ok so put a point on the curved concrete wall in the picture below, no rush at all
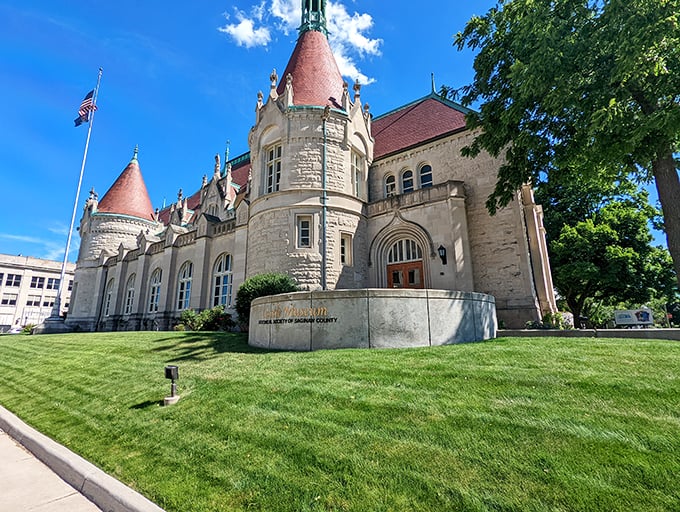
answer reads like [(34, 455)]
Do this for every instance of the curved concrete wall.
[(370, 318)]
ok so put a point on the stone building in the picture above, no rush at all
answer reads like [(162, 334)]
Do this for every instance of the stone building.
[(28, 289), (328, 193)]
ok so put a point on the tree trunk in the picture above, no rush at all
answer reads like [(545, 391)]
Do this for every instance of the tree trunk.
[(668, 187)]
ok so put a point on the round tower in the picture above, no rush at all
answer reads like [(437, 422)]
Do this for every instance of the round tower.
[(310, 152), (106, 225)]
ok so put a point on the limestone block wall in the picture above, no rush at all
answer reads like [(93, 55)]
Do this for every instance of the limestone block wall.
[(498, 246), (433, 217), (108, 231)]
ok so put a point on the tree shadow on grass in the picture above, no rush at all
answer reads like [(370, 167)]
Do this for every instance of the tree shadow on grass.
[(198, 346)]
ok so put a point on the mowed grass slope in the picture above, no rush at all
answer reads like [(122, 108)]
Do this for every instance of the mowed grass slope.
[(513, 424)]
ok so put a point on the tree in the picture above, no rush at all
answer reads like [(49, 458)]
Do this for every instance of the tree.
[(609, 259), (587, 85)]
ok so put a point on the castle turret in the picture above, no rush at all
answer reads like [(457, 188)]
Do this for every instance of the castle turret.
[(106, 226), (310, 151)]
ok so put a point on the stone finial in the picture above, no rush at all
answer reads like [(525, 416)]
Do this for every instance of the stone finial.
[(93, 195), (204, 183), (260, 98), (344, 101), (179, 196), (288, 92), (357, 91), (156, 214), (274, 80), (217, 162)]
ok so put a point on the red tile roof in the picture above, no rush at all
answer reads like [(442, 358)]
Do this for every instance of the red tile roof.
[(316, 78), (128, 195), (415, 123)]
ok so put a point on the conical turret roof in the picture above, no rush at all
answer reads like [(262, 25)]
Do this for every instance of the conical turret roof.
[(128, 194), (316, 77)]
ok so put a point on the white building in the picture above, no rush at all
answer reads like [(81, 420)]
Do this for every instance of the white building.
[(28, 290), (330, 194)]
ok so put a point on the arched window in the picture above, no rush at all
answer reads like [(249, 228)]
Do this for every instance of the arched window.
[(407, 181), (357, 173), (108, 295), (184, 285), (222, 279), (426, 176), (272, 168), (155, 290), (390, 185), (130, 294), (404, 250)]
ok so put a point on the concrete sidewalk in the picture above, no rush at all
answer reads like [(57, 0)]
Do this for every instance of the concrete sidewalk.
[(27, 484), (38, 474)]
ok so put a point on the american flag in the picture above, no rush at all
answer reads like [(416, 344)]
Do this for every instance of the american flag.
[(86, 107)]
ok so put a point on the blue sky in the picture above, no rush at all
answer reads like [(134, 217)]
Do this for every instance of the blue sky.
[(180, 79)]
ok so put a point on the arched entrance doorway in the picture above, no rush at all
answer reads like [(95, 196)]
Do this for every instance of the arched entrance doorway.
[(405, 265)]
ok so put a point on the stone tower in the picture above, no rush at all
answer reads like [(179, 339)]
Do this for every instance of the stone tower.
[(107, 228), (310, 152)]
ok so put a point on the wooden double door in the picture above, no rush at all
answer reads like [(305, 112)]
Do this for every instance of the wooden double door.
[(405, 275)]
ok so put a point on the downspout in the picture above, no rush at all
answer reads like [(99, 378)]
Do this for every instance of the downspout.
[(324, 198)]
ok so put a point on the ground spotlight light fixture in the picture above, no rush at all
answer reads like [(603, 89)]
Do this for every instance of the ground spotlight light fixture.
[(441, 250), (172, 373)]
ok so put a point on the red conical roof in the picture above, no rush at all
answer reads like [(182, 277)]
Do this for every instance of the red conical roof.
[(316, 77), (128, 194)]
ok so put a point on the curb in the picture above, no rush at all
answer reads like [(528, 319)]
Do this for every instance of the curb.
[(103, 490)]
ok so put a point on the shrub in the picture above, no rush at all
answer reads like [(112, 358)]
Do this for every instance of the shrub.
[(261, 285), (214, 319)]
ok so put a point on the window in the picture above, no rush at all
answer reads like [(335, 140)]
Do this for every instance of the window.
[(404, 250), (37, 282), (108, 295), (9, 299), (357, 173), (425, 176), (304, 231), (49, 301), (33, 300), (184, 285), (130, 295), (407, 181), (390, 186), (155, 290), (212, 210), (346, 249), (52, 283), (70, 285), (222, 279), (13, 280), (273, 168)]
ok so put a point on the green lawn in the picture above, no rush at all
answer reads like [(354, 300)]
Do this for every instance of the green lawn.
[(513, 424)]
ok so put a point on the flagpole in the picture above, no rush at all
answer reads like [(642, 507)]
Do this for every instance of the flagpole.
[(56, 310)]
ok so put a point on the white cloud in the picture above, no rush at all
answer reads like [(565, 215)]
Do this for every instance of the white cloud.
[(244, 32), (347, 33), (288, 13)]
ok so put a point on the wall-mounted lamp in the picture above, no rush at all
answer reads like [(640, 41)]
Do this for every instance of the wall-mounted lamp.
[(442, 254), (172, 373)]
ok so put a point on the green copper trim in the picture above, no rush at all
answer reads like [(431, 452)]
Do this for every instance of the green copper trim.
[(313, 17)]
